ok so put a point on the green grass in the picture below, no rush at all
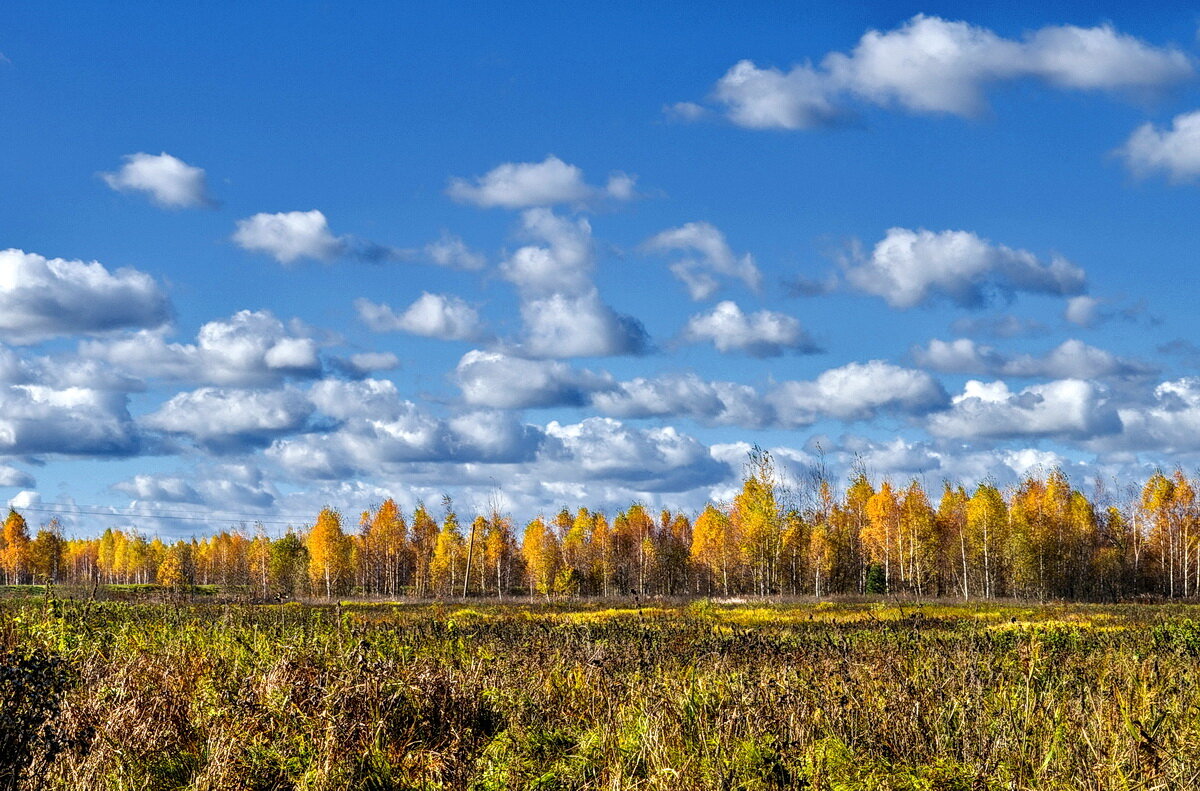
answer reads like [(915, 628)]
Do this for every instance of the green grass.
[(856, 695)]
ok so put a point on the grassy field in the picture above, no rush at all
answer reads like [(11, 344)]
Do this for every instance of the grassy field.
[(120, 695)]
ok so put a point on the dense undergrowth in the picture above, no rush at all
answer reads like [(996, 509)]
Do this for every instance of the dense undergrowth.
[(112, 695)]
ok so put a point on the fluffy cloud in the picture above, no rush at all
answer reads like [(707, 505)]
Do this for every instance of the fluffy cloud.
[(374, 399), (46, 297), (600, 458), (12, 477), (229, 420), (563, 325), (561, 263), (492, 437), (802, 98), (439, 316), (493, 379), (909, 268), (762, 334), (170, 182), (1083, 310), (377, 427), (857, 391), (380, 426), (219, 487), (713, 257), (158, 488), (687, 395), (933, 65), (72, 421), (1072, 359), (452, 252), (1174, 152), (520, 185), (900, 459), (1064, 409), (64, 371), (250, 348), (563, 313), (1169, 423), (290, 236), (657, 459)]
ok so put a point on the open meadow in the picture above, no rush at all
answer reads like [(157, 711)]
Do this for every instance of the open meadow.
[(563, 695)]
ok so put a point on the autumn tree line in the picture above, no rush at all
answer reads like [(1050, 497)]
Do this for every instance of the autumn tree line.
[(1040, 539)]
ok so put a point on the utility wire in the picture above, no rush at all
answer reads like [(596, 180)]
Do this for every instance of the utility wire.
[(167, 509), (83, 511)]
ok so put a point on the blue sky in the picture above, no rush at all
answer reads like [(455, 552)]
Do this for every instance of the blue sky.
[(259, 260)]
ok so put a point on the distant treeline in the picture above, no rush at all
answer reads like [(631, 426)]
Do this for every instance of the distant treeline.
[(1038, 539)]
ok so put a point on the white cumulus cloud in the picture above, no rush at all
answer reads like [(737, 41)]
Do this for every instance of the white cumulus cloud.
[(169, 181), (47, 297), (1062, 409), (655, 459), (453, 253), (494, 379), (1174, 151), (12, 477), (857, 391), (441, 316), (713, 257), (909, 268), (290, 236), (249, 348), (1072, 359), (70, 421), (685, 395), (563, 325), (231, 420), (521, 185), (562, 260), (764, 333), (802, 98), (561, 309), (377, 428), (934, 65)]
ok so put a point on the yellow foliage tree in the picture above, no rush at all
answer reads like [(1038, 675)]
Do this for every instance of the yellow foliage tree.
[(328, 553)]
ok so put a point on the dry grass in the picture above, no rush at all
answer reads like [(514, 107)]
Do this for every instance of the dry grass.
[(104, 695)]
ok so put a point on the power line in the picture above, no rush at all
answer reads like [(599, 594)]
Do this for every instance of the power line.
[(115, 513), (163, 509)]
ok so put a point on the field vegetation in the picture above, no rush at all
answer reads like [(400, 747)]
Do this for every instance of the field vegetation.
[(790, 638), (529, 694)]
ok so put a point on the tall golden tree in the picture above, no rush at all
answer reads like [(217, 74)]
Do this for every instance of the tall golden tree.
[(918, 524), (601, 552), (258, 561), (986, 539), (755, 518), (539, 547), (501, 556), (14, 557), (424, 540), (328, 554), (449, 555), (388, 554), (48, 553), (881, 533), (1169, 504), (952, 529), (715, 547)]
